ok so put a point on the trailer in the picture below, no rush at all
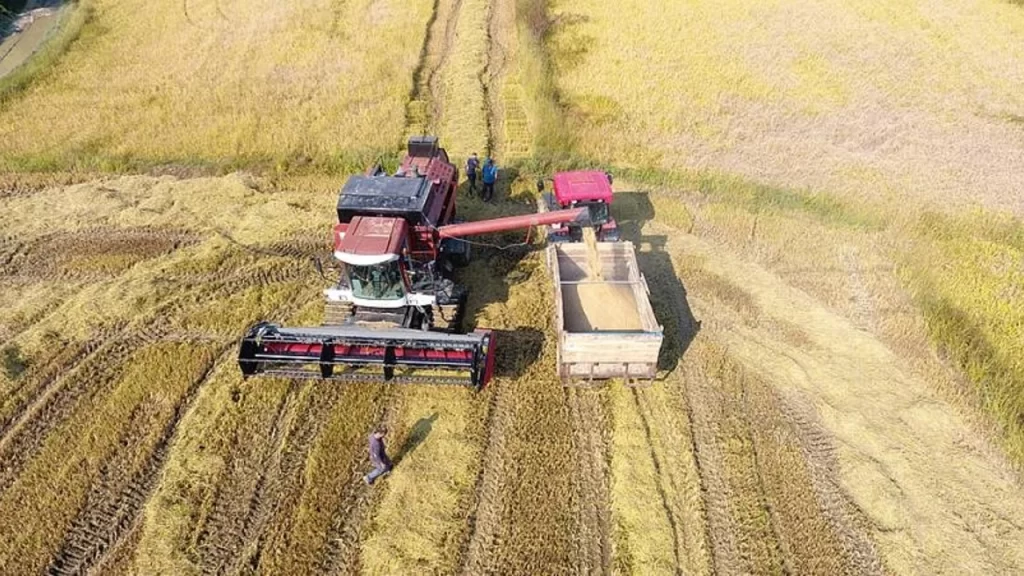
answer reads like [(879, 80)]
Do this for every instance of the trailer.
[(606, 326)]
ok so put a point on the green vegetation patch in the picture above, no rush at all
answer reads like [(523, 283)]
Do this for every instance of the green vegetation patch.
[(967, 275), (13, 362)]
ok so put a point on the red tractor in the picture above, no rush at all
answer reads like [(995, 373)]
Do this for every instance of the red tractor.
[(396, 308), (589, 189)]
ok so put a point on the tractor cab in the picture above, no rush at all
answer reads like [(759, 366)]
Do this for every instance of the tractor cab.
[(585, 188)]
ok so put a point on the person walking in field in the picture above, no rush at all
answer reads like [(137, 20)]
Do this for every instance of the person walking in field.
[(471, 167), (490, 176), (378, 456)]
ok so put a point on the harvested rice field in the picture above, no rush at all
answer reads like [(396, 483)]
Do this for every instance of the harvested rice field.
[(821, 204)]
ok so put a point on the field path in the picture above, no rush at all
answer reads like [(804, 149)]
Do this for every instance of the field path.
[(425, 102), (591, 447), (934, 495)]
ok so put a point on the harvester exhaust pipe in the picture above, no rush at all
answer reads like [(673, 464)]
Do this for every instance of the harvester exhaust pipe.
[(360, 355)]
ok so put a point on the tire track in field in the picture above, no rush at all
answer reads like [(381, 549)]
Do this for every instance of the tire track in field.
[(591, 480), (242, 486), (346, 531), (736, 418), (224, 530), (58, 257), (740, 542), (204, 288), (485, 516), (94, 375), (822, 531), (425, 100), (114, 507), (284, 481), (72, 255), (11, 248), (44, 384), (64, 382), (662, 472), (525, 511), (667, 426), (893, 439)]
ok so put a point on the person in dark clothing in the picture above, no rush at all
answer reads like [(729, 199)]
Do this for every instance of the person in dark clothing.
[(490, 176), (471, 167), (378, 456)]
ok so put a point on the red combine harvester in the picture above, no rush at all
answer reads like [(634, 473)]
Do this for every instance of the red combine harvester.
[(395, 313), (589, 189)]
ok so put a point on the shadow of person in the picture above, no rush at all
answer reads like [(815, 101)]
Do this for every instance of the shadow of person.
[(419, 432)]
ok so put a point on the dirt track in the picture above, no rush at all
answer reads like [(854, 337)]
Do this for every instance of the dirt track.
[(31, 30)]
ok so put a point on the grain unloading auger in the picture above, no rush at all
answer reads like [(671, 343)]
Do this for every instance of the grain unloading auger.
[(395, 313)]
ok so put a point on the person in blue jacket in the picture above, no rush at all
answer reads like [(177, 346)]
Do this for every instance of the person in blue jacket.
[(378, 456), (490, 176)]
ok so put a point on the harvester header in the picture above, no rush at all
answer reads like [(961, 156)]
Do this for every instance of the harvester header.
[(352, 353)]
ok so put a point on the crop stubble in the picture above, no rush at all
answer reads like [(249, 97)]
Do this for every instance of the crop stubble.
[(111, 517), (112, 430)]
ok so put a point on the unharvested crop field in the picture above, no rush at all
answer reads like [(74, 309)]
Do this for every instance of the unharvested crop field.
[(840, 388), (221, 82)]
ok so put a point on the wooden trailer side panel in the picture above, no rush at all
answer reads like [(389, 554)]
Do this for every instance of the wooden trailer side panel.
[(610, 355), (556, 279), (611, 347)]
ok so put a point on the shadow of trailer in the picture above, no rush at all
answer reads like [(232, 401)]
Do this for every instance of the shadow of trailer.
[(606, 326)]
